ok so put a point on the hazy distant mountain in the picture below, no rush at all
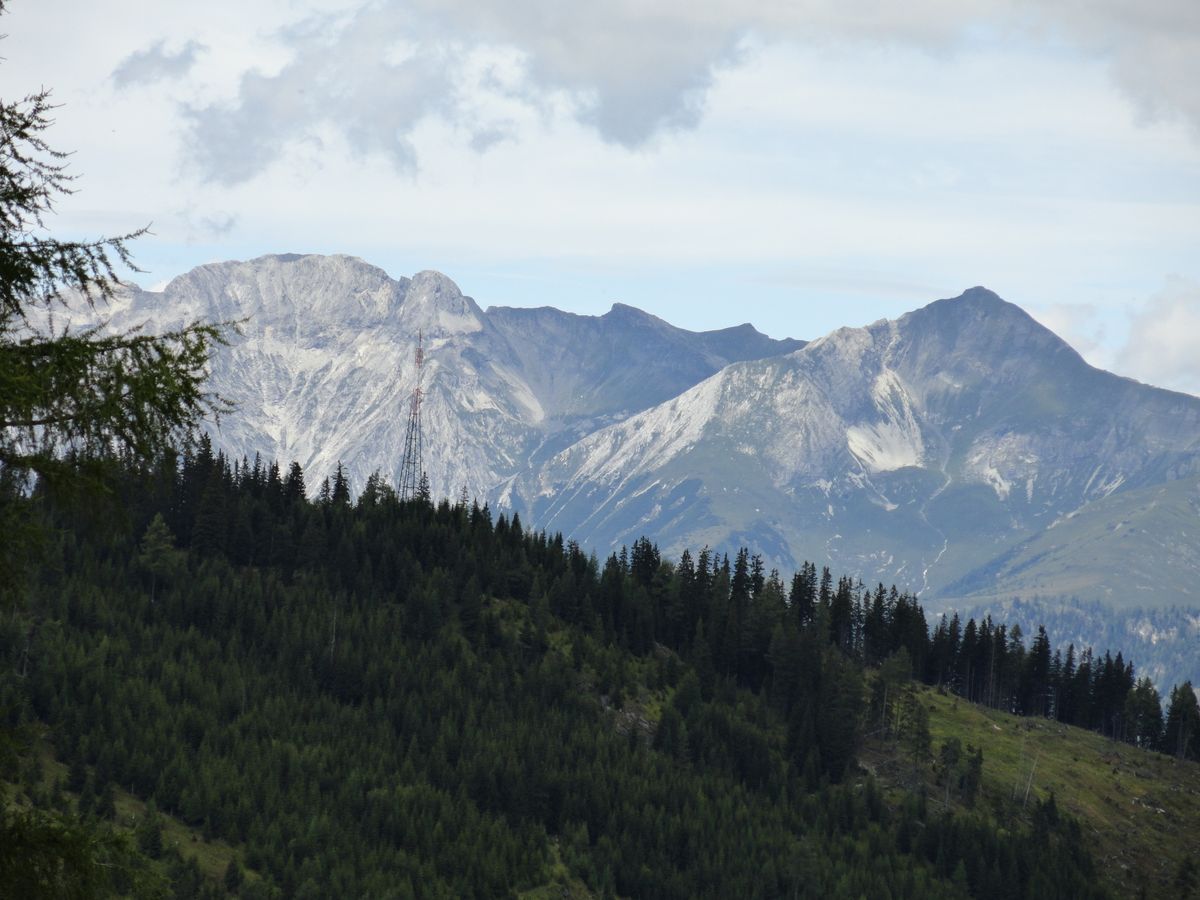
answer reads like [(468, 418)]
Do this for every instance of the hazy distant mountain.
[(962, 450)]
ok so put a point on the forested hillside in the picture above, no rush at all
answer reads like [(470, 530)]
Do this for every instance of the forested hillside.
[(377, 698)]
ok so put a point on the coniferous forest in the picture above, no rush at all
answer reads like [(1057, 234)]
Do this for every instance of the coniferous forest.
[(385, 698)]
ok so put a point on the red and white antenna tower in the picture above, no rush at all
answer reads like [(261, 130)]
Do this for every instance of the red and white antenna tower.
[(412, 466)]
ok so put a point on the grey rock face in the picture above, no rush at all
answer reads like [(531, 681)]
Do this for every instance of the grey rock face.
[(323, 367)]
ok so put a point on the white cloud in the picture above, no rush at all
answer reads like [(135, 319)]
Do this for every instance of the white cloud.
[(635, 69), (1080, 325), (1164, 338)]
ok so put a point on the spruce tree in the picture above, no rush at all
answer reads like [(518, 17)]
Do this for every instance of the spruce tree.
[(341, 487), (293, 486), (158, 551)]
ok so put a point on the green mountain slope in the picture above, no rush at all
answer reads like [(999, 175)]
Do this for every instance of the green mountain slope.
[(1136, 548), (1114, 574), (392, 699)]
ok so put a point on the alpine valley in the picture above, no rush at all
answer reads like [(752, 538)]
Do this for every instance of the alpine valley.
[(962, 451)]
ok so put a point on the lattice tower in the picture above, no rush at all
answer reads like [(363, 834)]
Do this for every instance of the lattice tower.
[(412, 465)]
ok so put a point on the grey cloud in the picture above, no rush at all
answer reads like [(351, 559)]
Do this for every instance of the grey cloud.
[(346, 77), (630, 114), (631, 68), (628, 75), (155, 64), (1153, 47), (485, 138), (1163, 77), (196, 227), (217, 226)]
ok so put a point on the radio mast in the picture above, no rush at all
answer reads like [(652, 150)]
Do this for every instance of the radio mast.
[(412, 465)]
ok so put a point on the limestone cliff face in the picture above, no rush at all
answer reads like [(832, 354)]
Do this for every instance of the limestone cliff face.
[(323, 365)]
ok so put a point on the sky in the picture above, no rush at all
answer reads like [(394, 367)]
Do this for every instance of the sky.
[(801, 165)]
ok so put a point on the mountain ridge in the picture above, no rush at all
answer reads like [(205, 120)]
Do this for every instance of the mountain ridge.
[(322, 366), (917, 450), (907, 419)]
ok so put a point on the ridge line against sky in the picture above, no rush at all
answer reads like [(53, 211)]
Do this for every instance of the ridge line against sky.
[(797, 165)]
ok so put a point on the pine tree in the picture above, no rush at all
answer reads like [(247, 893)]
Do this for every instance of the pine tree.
[(1187, 878), (1035, 675), (915, 738), (839, 704), (671, 736), (1143, 716), (803, 595), (233, 878), (149, 832), (470, 607)]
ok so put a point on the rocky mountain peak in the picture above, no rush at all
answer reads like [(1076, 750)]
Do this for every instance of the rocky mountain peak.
[(624, 312), (981, 296), (979, 335), (974, 307), (434, 304), (298, 293)]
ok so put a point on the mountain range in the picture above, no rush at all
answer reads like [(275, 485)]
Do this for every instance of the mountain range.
[(962, 451)]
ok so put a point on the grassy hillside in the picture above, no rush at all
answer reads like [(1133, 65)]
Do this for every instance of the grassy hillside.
[(1140, 810)]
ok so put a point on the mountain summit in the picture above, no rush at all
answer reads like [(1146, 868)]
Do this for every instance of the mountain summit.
[(434, 304)]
